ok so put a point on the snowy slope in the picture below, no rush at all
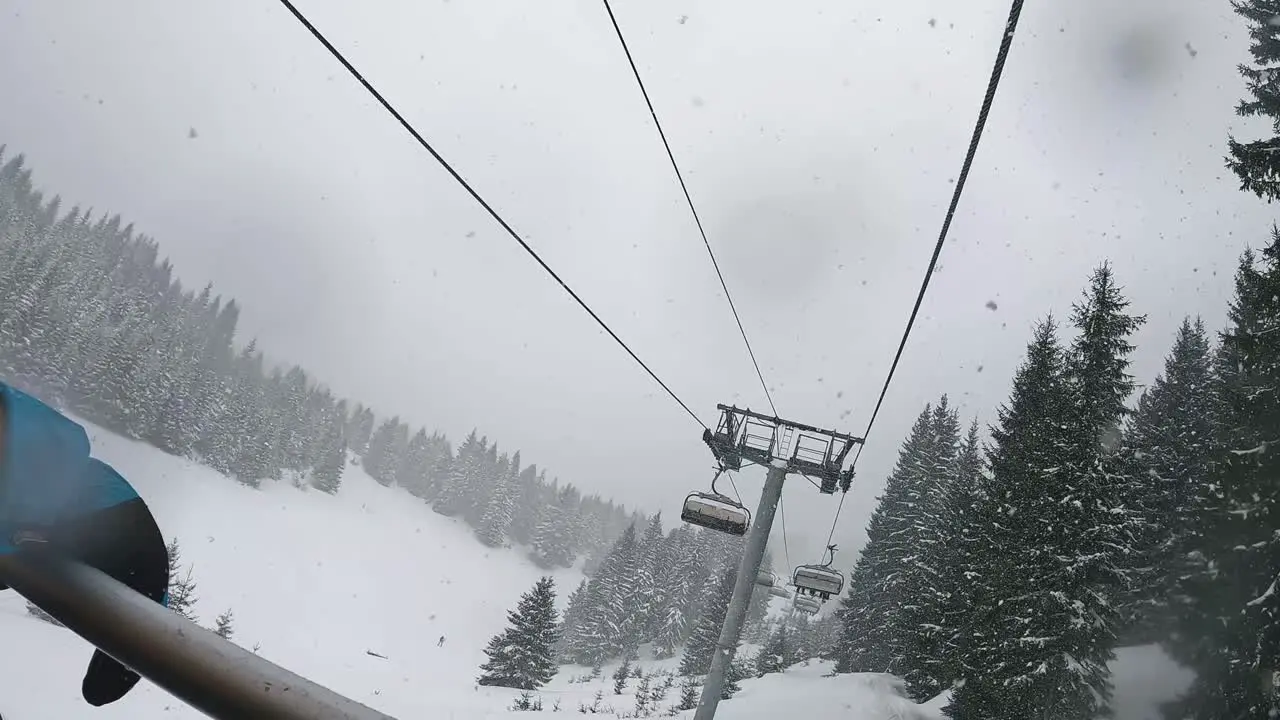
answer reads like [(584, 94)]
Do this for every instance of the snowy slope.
[(318, 580)]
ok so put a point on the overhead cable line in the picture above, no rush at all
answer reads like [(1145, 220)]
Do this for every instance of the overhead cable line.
[(1006, 41), (689, 199), (786, 550), (488, 208), (734, 485)]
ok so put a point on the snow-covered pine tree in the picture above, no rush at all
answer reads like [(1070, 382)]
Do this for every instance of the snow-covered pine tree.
[(647, 586), (876, 636), (222, 627), (1024, 457), (332, 462), (496, 520), (523, 655), (1050, 534), (414, 473), (1255, 162), (959, 521), (1171, 437), (531, 495), (823, 636), (378, 461), (182, 588), (688, 693), (739, 669), (918, 621), (360, 430), (1101, 490), (681, 587), (457, 490), (621, 675), (290, 413), (481, 488), (1230, 630), (777, 654), (555, 540), (575, 613), (706, 634), (601, 634)]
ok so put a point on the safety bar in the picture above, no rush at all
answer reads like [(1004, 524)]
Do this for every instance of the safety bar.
[(213, 675)]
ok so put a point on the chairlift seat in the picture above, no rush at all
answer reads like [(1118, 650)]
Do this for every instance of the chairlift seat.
[(817, 580), (716, 512), (807, 605)]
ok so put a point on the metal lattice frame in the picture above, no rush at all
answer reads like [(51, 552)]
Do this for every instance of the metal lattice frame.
[(746, 437)]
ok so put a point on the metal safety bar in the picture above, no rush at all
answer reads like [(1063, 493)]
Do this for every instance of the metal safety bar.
[(213, 675)]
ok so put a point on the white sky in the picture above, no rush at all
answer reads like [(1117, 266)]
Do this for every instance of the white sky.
[(819, 142)]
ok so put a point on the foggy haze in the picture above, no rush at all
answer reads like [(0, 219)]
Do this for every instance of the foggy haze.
[(819, 142)]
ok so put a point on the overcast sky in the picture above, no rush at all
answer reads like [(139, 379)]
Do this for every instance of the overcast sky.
[(820, 142)]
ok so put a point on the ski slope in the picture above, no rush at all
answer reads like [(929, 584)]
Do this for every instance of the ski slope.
[(316, 581)]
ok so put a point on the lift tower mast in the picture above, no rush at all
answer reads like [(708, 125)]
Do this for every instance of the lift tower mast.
[(782, 447)]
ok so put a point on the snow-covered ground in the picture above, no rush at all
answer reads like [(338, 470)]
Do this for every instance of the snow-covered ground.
[(316, 581)]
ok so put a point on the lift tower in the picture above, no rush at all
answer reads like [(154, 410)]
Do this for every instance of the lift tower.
[(746, 437)]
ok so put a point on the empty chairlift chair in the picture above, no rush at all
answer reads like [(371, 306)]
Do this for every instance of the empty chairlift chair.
[(716, 512), (819, 580)]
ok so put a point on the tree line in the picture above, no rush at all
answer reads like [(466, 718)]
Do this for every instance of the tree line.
[(94, 320), (1010, 570), (668, 592)]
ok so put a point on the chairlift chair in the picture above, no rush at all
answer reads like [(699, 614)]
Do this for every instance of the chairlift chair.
[(715, 511), (819, 580), (807, 605)]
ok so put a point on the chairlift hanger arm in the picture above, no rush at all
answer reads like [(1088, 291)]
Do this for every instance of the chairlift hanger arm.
[(799, 426)]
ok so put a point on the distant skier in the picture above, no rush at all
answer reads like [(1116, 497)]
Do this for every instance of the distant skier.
[(52, 491), (440, 642)]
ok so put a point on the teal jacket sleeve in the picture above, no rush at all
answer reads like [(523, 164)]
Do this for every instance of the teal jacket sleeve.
[(46, 473)]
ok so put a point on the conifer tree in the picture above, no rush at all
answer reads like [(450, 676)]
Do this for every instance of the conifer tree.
[(962, 539), (555, 539), (878, 636), (182, 588), (223, 627), (609, 628), (1053, 527), (464, 471), (575, 613), (778, 653), (621, 675), (702, 643), (414, 473), (647, 584), (1171, 438), (1024, 457), (523, 656), (738, 670), (1255, 162), (688, 693), (1230, 628), (497, 519), (333, 461)]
